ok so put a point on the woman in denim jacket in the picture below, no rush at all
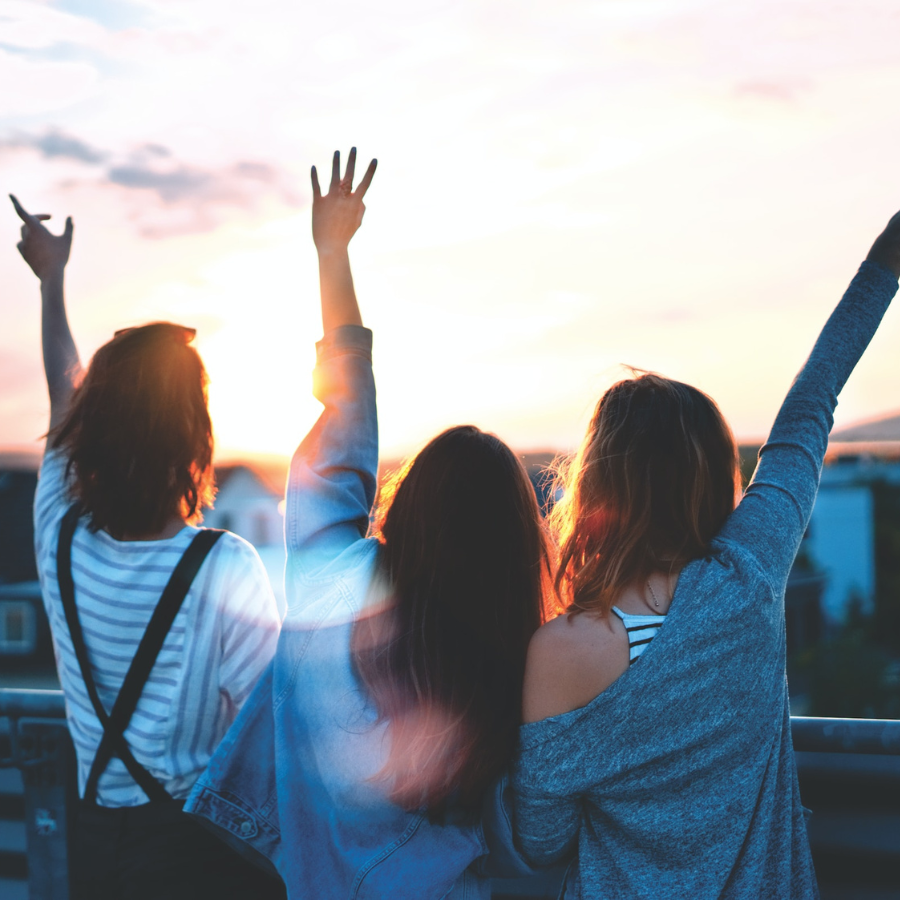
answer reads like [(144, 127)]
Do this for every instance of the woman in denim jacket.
[(367, 763)]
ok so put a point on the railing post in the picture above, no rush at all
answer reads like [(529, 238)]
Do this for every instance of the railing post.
[(48, 769), (40, 747)]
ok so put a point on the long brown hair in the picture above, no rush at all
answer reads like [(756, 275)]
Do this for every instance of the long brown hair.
[(465, 563), (138, 435), (652, 483)]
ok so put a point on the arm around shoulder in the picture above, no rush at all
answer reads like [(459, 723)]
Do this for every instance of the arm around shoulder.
[(570, 661)]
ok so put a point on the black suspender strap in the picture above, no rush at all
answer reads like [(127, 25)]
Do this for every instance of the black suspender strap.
[(150, 786), (113, 743)]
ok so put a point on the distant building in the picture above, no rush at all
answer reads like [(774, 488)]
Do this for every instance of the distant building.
[(250, 502), (24, 635), (840, 542), (18, 479), (841, 538), (24, 630)]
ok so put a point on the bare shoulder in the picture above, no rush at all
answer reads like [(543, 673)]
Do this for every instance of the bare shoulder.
[(571, 660)]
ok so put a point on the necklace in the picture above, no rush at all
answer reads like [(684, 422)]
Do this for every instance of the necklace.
[(653, 594)]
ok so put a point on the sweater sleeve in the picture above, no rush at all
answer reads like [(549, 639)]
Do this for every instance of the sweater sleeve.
[(332, 480), (546, 825), (773, 515)]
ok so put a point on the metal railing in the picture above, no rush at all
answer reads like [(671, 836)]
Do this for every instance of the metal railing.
[(819, 735), (38, 745)]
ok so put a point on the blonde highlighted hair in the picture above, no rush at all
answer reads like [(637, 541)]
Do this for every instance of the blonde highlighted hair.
[(652, 483)]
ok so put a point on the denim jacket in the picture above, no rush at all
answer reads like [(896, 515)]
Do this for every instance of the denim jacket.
[(291, 785)]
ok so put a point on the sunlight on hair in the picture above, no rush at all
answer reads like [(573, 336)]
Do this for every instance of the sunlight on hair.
[(654, 479), (436, 747)]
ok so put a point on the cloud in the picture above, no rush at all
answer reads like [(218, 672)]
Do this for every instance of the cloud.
[(112, 14), (179, 184), (170, 197), (37, 25), (152, 150), (186, 199), (55, 144), (167, 196), (182, 183)]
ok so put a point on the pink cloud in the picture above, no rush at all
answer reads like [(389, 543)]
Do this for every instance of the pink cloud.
[(173, 197)]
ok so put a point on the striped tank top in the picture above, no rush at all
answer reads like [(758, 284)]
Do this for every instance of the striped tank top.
[(640, 629)]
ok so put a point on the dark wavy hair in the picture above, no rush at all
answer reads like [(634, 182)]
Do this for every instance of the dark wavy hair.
[(654, 480), (464, 561), (138, 435)]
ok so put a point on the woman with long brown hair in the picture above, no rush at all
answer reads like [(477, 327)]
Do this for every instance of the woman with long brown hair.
[(368, 763), (657, 743), (160, 628)]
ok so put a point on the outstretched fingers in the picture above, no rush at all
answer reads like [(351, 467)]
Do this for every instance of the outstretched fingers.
[(366, 180), (345, 185)]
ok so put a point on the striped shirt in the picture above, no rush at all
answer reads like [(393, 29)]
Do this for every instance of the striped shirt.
[(221, 640), (640, 630)]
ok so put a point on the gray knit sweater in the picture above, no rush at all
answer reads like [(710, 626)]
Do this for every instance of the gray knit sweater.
[(679, 779)]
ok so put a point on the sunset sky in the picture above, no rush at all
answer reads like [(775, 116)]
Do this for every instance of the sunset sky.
[(678, 185)]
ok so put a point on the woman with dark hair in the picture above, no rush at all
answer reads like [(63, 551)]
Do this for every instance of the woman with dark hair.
[(658, 745), (393, 705), (160, 629)]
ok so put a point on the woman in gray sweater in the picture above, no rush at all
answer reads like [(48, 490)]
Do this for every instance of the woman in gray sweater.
[(657, 744)]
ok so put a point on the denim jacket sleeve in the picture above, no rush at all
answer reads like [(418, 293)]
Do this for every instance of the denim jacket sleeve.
[(504, 859), (332, 480)]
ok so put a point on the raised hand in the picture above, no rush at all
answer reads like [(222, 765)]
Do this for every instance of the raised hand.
[(335, 218), (338, 214), (886, 249), (46, 253)]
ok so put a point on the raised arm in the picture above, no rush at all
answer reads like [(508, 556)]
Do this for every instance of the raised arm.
[(333, 473), (335, 218), (773, 515), (47, 255)]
